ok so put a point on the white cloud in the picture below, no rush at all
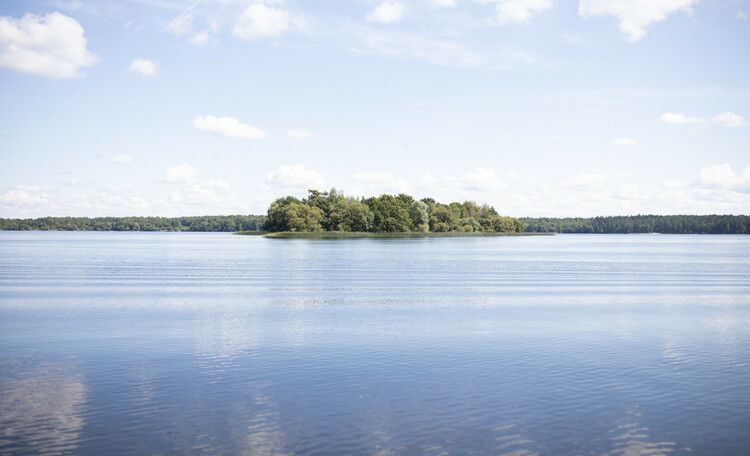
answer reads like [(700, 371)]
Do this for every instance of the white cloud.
[(518, 11), (212, 197), (679, 119), (442, 3), (147, 68), (634, 15), (216, 184), (181, 174), (725, 119), (741, 15), (562, 138), (19, 198), (675, 184), (52, 45), (728, 119), (380, 182), (433, 49), (481, 181), (199, 39), (585, 180), (723, 177), (259, 21), (123, 159), (625, 142), (228, 126), (299, 133), (387, 12), (295, 177), (181, 24)]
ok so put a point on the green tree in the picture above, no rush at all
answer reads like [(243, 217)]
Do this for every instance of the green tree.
[(420, 218)]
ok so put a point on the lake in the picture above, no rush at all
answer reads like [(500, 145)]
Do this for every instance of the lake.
[(209, 343)]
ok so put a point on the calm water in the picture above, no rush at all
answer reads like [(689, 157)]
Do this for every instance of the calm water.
[(167, 343)]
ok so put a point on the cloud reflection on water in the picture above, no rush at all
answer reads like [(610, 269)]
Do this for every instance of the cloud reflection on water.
[(42, 406)]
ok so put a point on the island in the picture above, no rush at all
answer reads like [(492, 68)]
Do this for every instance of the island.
[(332, 211)]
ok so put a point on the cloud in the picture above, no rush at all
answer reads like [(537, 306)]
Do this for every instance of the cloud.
[(299, 133), (518, 11), (585, 181), (380, 182), (123, 159), (725, 119), (435, 50), (741, 15), (466, 186), (562, 138), (260, 21), (181, 24), (679, 119), (728, 119), (210, 197), (387, 12), (228, 126), (295, 177), (634, 15), (481, 180), (52, 46), (147, 68), (723, 177), (442, 3), (199, 39), (181, 174), (625, 142)]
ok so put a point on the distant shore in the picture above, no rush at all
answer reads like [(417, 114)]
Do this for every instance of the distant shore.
[(366, 235), (635, 224)]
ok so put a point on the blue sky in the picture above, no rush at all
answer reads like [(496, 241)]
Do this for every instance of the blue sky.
[(538, 107)]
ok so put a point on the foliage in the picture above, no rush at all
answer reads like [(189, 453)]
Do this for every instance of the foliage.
[(333, 211), (667, 224), (293, 216), (228, 223)]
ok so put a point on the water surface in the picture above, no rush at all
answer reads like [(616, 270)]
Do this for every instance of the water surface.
[(208, 343)]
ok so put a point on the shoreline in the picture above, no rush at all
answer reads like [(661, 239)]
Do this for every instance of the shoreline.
[(368, 235)]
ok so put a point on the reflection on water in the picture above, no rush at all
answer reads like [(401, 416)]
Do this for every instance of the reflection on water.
[(632, 439), (40, 402), (150, 343)]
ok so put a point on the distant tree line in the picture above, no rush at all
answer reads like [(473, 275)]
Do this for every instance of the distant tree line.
[(333, 211), (228, 223), (668, 224)]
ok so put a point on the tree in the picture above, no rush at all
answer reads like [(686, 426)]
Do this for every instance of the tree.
[(350, 216), (420, 218)]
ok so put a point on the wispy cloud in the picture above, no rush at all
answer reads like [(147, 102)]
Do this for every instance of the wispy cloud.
[(724, 119), (300, 133), (123, 159), (625, 142)]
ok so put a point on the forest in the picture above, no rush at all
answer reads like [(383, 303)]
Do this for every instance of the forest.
[(228, 223), (333, 211), (667, 224)]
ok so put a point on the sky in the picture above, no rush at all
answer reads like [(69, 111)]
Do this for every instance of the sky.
[(216, 107)]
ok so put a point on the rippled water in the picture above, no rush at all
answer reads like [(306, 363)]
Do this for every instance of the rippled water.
[(168, 343)]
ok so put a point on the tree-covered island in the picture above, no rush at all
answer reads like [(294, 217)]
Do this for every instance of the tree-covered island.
[(333, 211)]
